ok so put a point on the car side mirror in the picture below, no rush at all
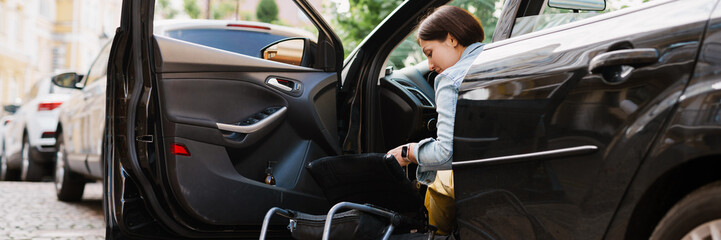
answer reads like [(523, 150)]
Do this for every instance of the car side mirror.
[(67, 80), (295, 51), (585, 5), (12, 108)]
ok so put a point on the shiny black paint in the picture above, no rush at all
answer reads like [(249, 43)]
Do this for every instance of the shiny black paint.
[(534, 93), (686, 155)]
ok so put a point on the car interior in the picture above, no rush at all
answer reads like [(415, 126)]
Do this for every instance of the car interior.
[(239, 130), (242, 124)]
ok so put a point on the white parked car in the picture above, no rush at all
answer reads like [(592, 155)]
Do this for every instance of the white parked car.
[(3, 166), (29, 139)]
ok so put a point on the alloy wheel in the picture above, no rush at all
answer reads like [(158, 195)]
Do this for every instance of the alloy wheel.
[(708, 230), (59, 167), (25, 160), (3, 167)]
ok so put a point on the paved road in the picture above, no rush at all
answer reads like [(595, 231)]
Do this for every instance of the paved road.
[(31, 211)]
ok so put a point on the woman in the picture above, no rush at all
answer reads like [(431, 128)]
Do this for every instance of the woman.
[(450, 38)]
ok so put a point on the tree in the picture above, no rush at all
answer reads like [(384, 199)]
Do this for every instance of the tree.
[(222, 9), (364, 15), (267, 11), (483, 10), (191, 8), (166, 10), (360, 19)]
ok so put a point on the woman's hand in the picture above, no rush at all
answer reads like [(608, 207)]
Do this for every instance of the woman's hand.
[(397, 153)]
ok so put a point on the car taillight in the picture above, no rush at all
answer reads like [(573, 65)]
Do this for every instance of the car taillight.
[(179, 149), (247, 26), (48, 106), (48, 135)]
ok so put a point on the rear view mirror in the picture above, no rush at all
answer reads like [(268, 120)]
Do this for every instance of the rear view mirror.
[(295, 51), (67, 80), (585, 5)]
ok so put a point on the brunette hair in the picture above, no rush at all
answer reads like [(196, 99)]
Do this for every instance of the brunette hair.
[(458, 22)]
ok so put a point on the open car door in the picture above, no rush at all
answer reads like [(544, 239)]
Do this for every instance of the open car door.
[(193, 132)]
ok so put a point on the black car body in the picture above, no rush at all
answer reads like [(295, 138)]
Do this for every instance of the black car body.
[(593, 129)]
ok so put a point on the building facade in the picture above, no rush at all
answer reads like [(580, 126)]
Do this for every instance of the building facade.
[(40, 38)]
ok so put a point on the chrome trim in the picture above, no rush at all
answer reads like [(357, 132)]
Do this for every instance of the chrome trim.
[(269, 214), (623, 57), (274, 82), (253, 127), (365, 208), (551, 153), (474, 140)]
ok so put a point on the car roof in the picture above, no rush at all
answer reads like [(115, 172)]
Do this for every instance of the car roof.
[(161, 27)]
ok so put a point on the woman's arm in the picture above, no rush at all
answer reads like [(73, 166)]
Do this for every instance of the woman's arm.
[(437, 154)]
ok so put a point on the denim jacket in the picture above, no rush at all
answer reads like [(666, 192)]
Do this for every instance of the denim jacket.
[(437, 154)]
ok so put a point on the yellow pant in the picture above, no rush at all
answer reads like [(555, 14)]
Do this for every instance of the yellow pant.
[(440, 202)]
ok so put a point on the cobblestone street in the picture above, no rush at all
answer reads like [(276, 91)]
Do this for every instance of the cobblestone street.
[(31, 211)]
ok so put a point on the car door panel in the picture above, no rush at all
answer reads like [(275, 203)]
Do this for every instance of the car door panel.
[(242, 95), (196, 94), (211, 172), (526, 99), (94, 95), (73, 127)]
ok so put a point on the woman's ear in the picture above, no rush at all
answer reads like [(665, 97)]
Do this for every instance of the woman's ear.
[(451, 41)]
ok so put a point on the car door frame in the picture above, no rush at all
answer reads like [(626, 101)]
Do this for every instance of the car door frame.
[(128, 66)]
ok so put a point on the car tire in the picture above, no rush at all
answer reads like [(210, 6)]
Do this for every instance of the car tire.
[(31, 170), (7, 174), (69, 186), (699, 213), (3, 167)]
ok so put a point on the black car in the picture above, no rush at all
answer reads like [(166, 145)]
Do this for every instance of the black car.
[(566, 128)]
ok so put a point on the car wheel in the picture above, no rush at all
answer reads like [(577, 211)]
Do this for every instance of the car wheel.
[(69, 186), (7, 174), (31, 170), (3, 168), (698, 214)]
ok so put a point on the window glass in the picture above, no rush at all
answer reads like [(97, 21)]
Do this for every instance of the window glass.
[(240, 26), (354, 20), (227, 39), (408, 53), (99, 67), (551, 17)]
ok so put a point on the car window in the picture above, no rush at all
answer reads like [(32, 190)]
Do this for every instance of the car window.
[(227, 39), (99, 67), (551, 17), (244, 27), (409, 53), (353, 21)]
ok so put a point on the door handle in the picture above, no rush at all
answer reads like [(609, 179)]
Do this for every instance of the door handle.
[(632, 57), (256, 125), (282, 84)]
